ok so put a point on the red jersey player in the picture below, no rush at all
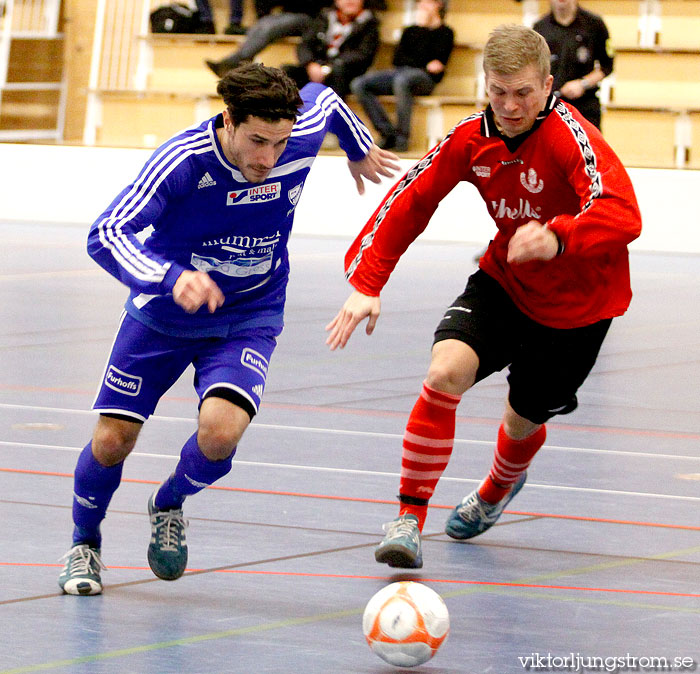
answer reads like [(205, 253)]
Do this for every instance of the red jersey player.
[(549, 284)]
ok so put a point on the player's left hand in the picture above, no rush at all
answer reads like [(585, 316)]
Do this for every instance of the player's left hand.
[(532, 241), (356, 308), (376, 163), (194, 289)]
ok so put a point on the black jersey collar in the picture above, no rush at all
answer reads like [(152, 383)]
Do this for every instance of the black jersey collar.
[(489, 129)]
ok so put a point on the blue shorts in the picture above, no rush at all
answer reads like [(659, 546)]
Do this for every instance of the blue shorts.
[(145, 363)]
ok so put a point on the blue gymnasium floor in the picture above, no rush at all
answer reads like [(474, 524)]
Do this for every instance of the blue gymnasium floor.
[(599, 556)]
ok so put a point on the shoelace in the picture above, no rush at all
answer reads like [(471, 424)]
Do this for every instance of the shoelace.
[(169, 525), (400, 527), (82, 560), (473, 511)]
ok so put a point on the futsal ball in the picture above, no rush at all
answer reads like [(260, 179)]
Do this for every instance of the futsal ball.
[(405, 623)]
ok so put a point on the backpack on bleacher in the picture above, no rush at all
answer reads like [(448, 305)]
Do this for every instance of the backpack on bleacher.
[(175, 18)]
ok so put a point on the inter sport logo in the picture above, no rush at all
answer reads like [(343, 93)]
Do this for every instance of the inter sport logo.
[(254, 195)]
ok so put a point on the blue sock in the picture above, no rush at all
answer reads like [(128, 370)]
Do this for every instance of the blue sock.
[(93, 487), (193, 473)]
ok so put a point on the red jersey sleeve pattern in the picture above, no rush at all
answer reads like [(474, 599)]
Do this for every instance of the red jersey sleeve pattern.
[(562, 174), (405, 212)]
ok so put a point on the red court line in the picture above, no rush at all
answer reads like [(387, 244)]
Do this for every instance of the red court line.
[(348, 576), (350, 411), (467, 582), (329, 497), (601, 519)]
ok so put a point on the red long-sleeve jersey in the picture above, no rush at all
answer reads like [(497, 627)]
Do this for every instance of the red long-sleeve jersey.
[(561, 173)]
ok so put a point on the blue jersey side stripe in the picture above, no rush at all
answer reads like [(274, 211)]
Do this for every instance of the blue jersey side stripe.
[(171, 154), (311, 115), (314, 119), (129, 256), (110, 229), (330, 99)]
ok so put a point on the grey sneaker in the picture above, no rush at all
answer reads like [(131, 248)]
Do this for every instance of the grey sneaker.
[(167, 551), (473, 515), (401, 545), (81, 573)]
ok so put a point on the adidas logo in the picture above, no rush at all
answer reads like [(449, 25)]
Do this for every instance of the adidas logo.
[(85, 502), (258, 390), (206, 181), (194, 483)]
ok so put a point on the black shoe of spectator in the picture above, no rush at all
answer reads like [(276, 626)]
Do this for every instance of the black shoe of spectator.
[(387, 142), (401, 144), (220, 68), (215, 67), (235, 29)]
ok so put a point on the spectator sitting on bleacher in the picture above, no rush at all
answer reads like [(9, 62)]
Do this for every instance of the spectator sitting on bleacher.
[(206, 17), (419, 62), (235, 24), (581, 54), (339, 45), (295, 17)]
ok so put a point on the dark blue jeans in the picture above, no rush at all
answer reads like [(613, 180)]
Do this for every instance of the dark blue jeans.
[(206, 15), (404, 83), (268, 29)]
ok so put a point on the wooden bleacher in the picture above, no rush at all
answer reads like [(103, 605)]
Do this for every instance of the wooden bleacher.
[(642, 137), (657, 77), (621, 17), (680, 25), (473, 20), (654, 91), (32, 83)]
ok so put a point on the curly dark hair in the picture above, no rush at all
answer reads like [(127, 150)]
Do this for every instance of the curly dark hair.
[(255, 90)]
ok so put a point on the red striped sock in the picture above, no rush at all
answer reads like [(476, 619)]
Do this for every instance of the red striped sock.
[(427, 446), (511, 459)]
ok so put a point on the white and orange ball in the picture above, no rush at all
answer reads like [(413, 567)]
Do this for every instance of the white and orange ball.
[(405, 623)]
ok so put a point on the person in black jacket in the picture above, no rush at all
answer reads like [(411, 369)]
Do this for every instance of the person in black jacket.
[(419, 62), (295, 17), (338, 46), (581, 55)]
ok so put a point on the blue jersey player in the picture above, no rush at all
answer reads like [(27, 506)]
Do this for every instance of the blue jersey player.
[(200, 238)]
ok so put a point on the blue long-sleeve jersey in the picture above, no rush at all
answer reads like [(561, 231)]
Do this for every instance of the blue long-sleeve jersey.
[(190, 208)]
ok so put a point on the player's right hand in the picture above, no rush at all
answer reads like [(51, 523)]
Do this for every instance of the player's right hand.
[(375, 164), (356, 308), (193, 289)]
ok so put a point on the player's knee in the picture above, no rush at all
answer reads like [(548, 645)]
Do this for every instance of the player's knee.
[(453, 367), (113, 440), (446, 377), (223, 417), (218, 441)]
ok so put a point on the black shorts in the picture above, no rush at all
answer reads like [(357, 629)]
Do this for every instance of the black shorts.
[(546, 365)]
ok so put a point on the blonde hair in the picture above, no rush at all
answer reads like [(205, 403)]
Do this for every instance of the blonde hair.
[(512, 47)]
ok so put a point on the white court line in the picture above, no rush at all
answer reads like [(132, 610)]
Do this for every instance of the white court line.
[(369, 434), (352, 471)]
